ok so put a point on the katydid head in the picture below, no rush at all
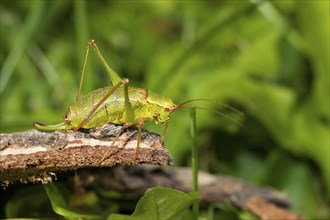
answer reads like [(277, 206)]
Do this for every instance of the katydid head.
[(170, 110), (162, 115)]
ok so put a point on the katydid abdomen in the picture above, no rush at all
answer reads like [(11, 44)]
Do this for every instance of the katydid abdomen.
[(110, 111)]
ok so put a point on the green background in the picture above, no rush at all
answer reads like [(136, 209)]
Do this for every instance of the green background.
[(270, 61)]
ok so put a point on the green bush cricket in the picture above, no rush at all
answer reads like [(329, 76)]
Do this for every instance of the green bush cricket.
[(117, 104)]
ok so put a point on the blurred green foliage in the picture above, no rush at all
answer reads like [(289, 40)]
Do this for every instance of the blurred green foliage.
[(270, 60)]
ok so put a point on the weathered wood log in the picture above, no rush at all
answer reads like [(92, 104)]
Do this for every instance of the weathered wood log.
[(34, 156)]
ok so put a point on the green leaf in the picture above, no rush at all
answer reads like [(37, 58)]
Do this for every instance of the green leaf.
[(161, 203), (59, 204)]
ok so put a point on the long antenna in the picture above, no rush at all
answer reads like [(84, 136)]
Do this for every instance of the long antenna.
[(211, 110), (214, 101)]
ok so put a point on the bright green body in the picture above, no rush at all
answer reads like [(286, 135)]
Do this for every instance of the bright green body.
[(146, 106)]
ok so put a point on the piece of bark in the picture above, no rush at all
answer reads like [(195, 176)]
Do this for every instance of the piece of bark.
[(268, 211), (213, 188), (34, 156)]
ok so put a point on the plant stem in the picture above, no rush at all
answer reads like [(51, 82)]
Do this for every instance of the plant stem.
[(194, 160)]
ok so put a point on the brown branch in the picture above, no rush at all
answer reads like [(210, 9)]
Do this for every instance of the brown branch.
[(34, 156), (264, 202)]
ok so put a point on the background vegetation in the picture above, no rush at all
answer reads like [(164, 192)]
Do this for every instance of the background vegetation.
[(270, 60)]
